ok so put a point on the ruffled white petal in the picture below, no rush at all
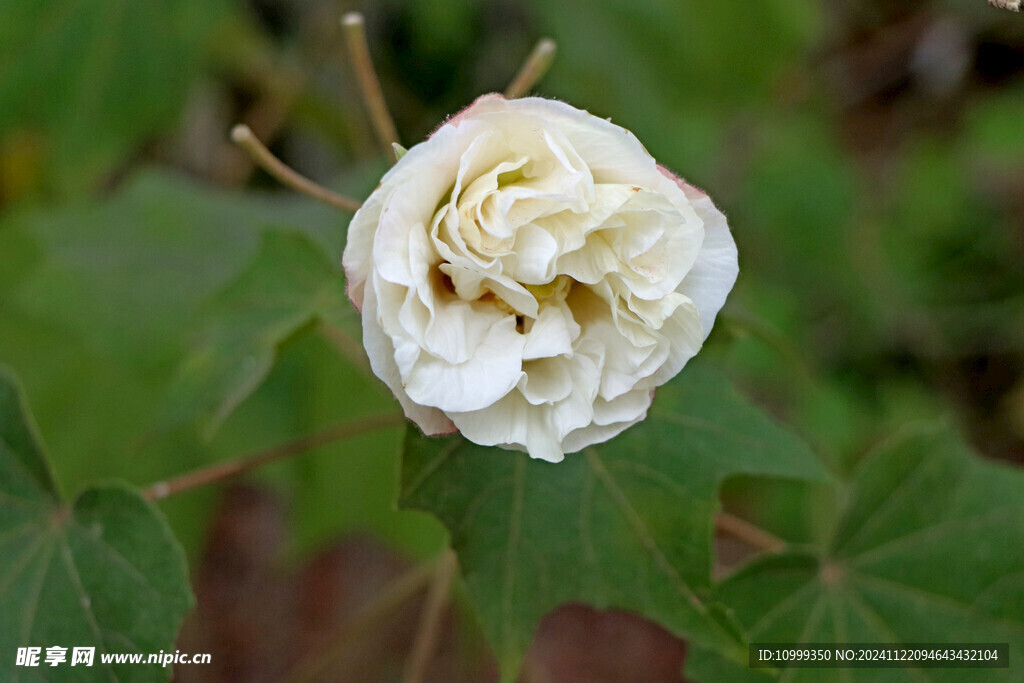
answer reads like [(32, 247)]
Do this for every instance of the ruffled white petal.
[(714, 273), (529, 275), (381, 352), (475, 384)]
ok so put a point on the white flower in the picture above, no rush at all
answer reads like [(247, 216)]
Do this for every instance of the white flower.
[(529, 275), (1012, 5)]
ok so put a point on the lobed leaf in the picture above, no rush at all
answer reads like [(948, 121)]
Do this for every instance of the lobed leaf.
[(103, 572), (289, 286), (625, 524), (927, 551)]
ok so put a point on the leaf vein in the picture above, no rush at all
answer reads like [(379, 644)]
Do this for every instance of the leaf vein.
[(896, 544), (484, 496), (117, 557), (813, 621), (642, 532), (19, 531), (707, 426), (86, 601), (586, 503), (871, 615), (893, 499), (769, 617), (890, 586), (30, 615), (19, 565), (421, 477), (512, 551)]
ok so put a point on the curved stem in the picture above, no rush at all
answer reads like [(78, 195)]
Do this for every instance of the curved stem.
[(262, 156), (430, 622), (347, 346), (391, 597), (233, 468), (750, 534), (354, 27), (533, 69)]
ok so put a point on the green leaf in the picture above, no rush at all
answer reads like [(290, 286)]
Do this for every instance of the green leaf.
[(18, 436), (624, 524), (927, 551), (94, 79), (99, 307), (289, 287), (127, 275), (104, 572)]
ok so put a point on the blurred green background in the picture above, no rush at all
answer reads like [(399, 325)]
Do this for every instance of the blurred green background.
[(869, 154)]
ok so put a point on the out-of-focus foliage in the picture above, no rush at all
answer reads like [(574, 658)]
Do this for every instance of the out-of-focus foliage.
[(680, 75), (869, 155), (104, 571), (112, 298), (83, 83), (289, 286)]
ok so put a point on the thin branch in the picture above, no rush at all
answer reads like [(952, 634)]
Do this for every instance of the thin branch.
[(753, 536), (430, 621), (391, 597), (277, 84), (533, 69), (354, 27), (245, 139), (348, 347), (233, 468)]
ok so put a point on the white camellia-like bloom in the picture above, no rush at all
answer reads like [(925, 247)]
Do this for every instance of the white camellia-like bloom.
[(529, 275)]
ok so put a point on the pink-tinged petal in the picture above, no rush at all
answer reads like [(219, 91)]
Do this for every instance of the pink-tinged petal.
[(714, 273)]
